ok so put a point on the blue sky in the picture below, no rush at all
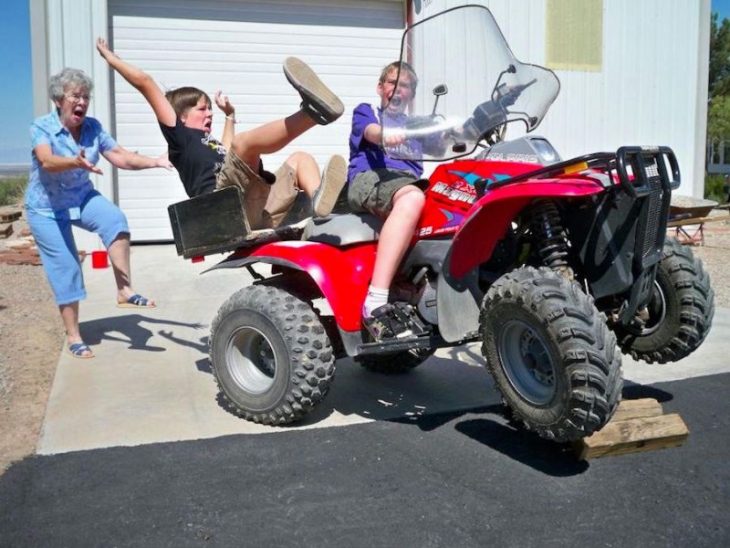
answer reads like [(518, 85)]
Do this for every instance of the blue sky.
[(16, 88), (722, 7)]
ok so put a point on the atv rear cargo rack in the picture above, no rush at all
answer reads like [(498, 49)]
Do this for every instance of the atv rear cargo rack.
[(216, 223)]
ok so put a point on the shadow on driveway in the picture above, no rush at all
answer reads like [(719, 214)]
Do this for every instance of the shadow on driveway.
[(128, 329)]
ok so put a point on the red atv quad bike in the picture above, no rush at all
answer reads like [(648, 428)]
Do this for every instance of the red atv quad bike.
[(556, 267)]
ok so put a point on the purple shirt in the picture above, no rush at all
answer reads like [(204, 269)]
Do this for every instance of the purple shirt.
[(366, 156)]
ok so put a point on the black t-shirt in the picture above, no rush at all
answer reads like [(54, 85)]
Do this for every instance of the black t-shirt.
[(197, 157)]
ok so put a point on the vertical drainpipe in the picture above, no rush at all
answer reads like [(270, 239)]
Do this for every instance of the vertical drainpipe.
[(409, 22), (703, 75), (38, 16)]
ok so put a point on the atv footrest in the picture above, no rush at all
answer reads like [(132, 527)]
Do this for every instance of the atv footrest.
[(398, 345)]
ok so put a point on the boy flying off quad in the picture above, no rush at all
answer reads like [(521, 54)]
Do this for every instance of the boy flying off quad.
[(205, 164)]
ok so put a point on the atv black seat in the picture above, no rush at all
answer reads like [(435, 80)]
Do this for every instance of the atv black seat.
[(344, 229)]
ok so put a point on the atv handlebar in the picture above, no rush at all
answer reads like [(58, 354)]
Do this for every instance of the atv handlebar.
[(513, 92), (493, 113)]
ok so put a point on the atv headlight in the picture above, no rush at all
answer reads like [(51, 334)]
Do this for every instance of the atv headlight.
[(545, 150)]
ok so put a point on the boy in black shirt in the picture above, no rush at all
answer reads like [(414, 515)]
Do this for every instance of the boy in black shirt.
[(204, 163)]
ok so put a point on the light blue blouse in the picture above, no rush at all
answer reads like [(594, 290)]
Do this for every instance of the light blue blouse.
[(61, 194)]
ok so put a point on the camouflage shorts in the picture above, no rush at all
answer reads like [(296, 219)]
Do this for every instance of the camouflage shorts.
[(373, 191)]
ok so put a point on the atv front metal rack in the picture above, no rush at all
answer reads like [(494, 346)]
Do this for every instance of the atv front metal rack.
[(633, 166), (646, 163)]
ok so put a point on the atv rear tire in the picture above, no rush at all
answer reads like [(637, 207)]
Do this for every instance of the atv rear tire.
[(552, 357), (680, 310), (271, 357), (398, 363)]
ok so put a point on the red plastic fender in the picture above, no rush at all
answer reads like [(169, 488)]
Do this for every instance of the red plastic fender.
[(342, 275), (490, 216)]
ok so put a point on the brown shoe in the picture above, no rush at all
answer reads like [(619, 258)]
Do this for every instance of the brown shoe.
[(334, 178), (318, 101)]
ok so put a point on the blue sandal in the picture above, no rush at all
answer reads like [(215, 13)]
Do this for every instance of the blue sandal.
[(80, 350), (137, 301)]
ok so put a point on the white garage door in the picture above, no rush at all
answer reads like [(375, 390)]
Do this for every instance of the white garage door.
[(238, 47)]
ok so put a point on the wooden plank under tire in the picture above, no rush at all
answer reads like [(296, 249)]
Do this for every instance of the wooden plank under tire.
[(637, 425)]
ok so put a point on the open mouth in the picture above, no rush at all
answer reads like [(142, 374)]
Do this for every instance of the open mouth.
[(79, 112)]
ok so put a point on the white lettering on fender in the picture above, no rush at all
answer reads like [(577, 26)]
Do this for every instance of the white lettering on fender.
[(452, 193)]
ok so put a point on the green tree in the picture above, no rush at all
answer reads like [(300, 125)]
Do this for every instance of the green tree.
[(719, 57), (718, 119), (718, 111)]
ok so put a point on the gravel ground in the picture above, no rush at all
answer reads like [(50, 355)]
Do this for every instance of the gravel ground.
[(32, 337), (715, 256)]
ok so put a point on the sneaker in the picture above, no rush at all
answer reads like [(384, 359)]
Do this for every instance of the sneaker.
[(387, 323), (334, 178), (318, 101)]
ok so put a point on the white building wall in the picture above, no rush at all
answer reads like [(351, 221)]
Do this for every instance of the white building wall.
[(652, 86)]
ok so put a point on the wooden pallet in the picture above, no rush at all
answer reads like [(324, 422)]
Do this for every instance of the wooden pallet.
[(6, 229), (638, 425), (9, 214)]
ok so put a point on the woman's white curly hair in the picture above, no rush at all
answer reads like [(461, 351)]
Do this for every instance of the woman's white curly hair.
[(68, 77)]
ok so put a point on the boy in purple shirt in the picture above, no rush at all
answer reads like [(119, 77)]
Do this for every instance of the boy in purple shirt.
[(385, 187)]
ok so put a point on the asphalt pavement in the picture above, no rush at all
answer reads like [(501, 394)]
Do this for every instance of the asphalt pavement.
[(137, 451)]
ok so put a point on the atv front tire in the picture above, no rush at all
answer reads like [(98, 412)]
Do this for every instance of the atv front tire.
[(553, 358), (270, 355), (680, 311)]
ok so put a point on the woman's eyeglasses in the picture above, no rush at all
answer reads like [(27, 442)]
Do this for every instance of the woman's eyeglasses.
[(77, 97)]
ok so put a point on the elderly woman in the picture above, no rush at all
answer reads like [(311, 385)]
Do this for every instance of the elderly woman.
[(66, 147)]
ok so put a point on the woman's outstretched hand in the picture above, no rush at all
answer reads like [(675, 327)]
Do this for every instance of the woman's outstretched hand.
[(163, 161), (83, 163)]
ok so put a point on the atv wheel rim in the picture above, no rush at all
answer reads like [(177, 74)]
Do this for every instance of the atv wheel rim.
[(527, 362), (250, 360), (657, 308)]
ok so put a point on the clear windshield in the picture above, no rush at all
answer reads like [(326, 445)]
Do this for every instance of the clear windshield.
[(468, 84)]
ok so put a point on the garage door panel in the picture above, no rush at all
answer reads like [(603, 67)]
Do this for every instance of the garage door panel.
[(238, 46), (205, 15), (167, 31), (261, 53)]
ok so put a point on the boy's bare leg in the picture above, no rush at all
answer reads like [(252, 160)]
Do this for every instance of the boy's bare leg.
[(307, 171), (270, 137), (396, 234)]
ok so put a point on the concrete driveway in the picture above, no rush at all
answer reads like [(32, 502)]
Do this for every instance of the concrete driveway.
[(151, 382)]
